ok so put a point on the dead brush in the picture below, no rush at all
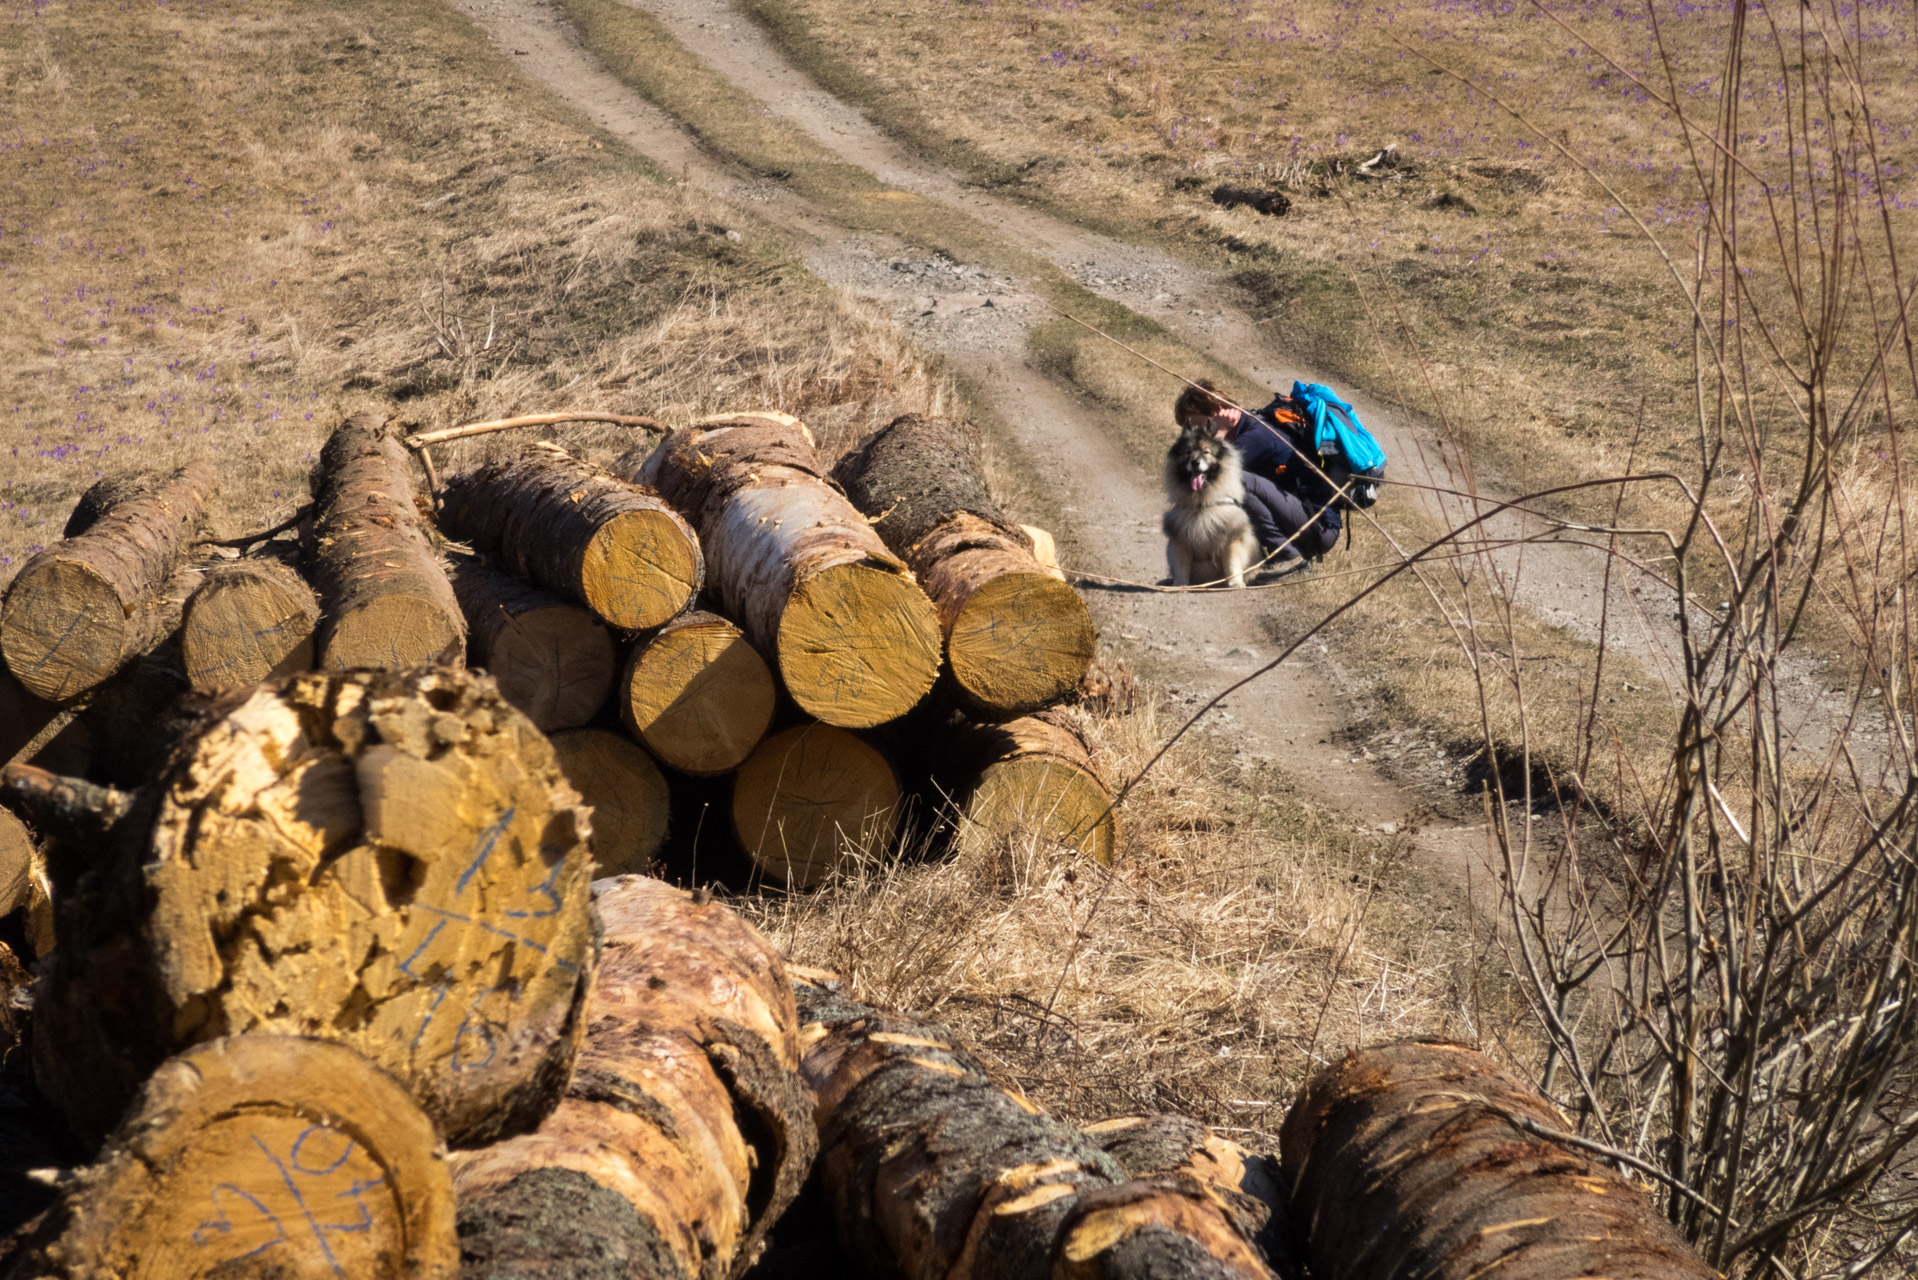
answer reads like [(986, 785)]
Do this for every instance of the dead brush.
[(1721, 960), (1206, 972)]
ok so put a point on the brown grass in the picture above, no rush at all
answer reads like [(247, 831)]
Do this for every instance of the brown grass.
[(296, 213), (1242, 940), (1544, 314)]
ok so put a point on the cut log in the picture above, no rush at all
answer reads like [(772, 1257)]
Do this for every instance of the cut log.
[(811, 797), (1163, 1145), (1017, 636), (24, 886), (15, 981), (1404, 1160), (385, 603), (248, 620), (552, 659), (257, 1156), (630, 799), (51, 802), (151, 691), (853, 637), (1031, 777), (544, 515), (686, 1130), (78, 611), (388, 860), (17, 856), (698, 695), (935, 1173)]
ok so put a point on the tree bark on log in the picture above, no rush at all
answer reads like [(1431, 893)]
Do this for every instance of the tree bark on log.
[(630, 798), (78, 611), (547, 516), (392, 861), (385, 603), (248, 620), (553, 659), (935, 1173), (1164, 1145), (852, 635), (811, 797), (1017, 637), (698, 695), (257, 1156), (1402, 1161), (685, 1131), (1031, 777)]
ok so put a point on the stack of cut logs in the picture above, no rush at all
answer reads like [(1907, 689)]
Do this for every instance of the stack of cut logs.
[(340, 971), (717, 607)]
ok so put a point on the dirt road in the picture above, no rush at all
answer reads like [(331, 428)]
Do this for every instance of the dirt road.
[(1106, 504)]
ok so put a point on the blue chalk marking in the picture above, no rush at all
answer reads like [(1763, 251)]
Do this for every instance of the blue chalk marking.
[(434, 1008), (485, 1031), (487, 843), (545, 890), (224, 1224), (406, 965)]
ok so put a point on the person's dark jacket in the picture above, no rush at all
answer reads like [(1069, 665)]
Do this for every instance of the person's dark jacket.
[(1266, 450)]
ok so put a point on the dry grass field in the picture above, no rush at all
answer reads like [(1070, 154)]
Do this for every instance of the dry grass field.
[(229, 223), (1509, 240)]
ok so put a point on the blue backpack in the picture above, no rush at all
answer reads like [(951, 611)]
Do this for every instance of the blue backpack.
[(1348, 454)]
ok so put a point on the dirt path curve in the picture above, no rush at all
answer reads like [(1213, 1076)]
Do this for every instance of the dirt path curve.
[(1560, 584), (1108, 507)]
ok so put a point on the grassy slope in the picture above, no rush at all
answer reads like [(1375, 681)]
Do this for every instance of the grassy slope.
[(1543, 315)]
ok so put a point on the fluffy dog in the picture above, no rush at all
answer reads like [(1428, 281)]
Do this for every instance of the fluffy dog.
[(1208, 536)]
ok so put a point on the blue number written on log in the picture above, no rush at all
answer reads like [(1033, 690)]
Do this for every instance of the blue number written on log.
[(475, 1044), (307, 1163)]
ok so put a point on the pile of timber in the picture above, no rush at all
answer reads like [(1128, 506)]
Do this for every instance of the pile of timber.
[(829, 647), (343, 964)]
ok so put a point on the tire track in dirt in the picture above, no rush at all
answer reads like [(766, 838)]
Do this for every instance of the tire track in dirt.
[(1107, 508)]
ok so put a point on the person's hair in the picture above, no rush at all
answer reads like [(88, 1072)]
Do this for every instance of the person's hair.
[(1200, 401)]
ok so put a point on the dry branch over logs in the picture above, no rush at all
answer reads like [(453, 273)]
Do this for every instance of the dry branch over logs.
[(80, 610), (1031, 776), (935, 1173), (1018, 638), (384, 599), (392, 861), (553, 659), (810, 797), (544, 515), (793, 563), (698, 694), (1420, 1159), (257, 1156), (686, 1130)]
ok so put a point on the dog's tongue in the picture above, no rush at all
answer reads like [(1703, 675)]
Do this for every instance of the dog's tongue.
[(1198, 482)]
